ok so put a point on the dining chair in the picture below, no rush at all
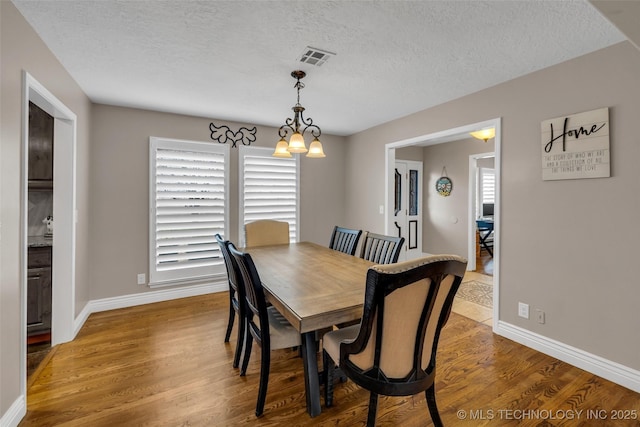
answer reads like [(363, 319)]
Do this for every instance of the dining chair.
[(265, 325), (393, 350), (381, 249), (236, 300), (265, 232), (345, 240)]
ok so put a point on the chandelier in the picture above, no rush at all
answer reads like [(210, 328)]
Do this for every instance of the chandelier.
[(298, 125)]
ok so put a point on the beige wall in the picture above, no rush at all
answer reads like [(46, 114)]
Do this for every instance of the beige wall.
[(567, 247), (22, 49), (120, 188), (445, 219)]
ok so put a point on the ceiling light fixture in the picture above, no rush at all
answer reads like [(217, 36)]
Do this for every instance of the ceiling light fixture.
[(484, 134), (296, 143)]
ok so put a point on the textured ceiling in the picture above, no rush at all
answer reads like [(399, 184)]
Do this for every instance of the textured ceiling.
[(232, 59)]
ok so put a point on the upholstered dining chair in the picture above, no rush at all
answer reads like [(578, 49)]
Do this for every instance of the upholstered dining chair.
[(381, 249), (236, 300), (393, 350), (345, 240), (265, 325), (265, 232)]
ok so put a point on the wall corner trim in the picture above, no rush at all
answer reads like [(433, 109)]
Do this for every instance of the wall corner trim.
[(612, 371)]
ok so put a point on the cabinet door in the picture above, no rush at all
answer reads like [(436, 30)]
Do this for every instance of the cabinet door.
[(40, 144), (38, 300)]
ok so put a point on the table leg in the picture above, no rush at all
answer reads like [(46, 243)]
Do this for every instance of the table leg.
[(311, 381)]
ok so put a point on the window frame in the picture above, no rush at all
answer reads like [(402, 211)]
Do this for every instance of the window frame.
[(194, 275)]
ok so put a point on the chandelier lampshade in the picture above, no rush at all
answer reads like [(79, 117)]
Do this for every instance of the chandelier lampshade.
[(315, 149), (296, 143), (282, 149)]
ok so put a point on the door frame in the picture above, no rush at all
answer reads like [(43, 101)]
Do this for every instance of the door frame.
[(64, 212), (449, 135)]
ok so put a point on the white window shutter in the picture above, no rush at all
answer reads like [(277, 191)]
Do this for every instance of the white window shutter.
[(188, 193), (488, 183), (268, 188)]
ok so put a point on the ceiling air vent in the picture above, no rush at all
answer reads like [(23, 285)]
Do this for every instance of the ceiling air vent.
[(315, 56)]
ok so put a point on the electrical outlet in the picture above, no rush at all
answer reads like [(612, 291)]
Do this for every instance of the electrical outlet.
[(142, 279), (523, 310), (540, 316)]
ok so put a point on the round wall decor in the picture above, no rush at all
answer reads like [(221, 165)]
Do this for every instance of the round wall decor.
[(444, 185)]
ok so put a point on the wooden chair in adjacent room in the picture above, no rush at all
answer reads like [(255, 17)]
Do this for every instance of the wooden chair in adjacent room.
[(236, 300), (381, 249), (265, 232), (265, 325), (345, 240), (393, 350)]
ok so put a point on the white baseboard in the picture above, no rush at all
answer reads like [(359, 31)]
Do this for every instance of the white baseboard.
[(612, 371), (15, 413), (95, 306)]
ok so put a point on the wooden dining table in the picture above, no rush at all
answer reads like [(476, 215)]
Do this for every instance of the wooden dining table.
[(314, 288)]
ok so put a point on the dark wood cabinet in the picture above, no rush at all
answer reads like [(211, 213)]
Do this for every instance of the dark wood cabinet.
[(39, 290), (40, 148)]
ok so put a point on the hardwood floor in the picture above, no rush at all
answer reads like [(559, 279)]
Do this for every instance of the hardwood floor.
[(166, 364)]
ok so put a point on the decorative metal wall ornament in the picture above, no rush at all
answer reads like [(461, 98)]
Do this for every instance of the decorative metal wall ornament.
[(444, 185), (224, 134)]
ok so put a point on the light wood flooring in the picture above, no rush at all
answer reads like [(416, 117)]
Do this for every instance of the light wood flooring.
[(165, 364)]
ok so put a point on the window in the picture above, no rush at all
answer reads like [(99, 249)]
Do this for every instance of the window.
[(187, 202), (268, 188), (487, 191)]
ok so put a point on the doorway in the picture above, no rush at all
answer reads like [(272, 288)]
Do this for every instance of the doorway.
[(63, 211), (441, 137), (482, 191)]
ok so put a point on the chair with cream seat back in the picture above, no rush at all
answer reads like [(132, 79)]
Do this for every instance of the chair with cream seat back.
[(393, 350), (265, 325), (345, 240), (266, 232), (381, 249)]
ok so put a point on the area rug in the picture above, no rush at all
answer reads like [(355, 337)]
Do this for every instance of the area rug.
[(478, 291)]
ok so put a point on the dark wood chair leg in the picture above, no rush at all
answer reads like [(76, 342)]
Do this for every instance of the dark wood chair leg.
[(433, 408), (373, 409), (247, 353), (265, 365), (232, 316), (239, 342), (329, 366)]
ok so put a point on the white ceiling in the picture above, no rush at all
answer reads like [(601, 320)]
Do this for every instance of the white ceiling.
[(232, 59)]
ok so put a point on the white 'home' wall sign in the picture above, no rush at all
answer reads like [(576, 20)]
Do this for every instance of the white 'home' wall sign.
[(576, 146)]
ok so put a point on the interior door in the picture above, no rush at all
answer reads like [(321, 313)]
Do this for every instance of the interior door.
[(408, 207)]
